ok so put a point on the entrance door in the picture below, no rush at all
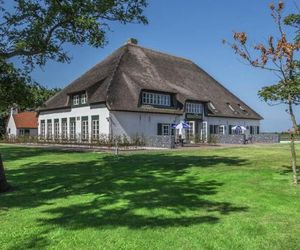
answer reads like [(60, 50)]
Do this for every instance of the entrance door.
[(190, 132)]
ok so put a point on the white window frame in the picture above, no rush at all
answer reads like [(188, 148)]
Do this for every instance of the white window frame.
[(95, 129), (64, 129), (49, 129), (56, 129), (76, 100), (83, 98), (149, 98), (43, 128), (165, 129), (193, 108), (72, 126), (222, 129), (84, 129)]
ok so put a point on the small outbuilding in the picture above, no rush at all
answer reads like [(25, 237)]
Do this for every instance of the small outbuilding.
[(22, 124)]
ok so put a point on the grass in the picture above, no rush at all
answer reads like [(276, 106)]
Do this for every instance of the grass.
[(216, 198)]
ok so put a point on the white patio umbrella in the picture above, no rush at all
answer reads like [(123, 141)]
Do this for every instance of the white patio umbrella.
[(181, 126), (239, 128)]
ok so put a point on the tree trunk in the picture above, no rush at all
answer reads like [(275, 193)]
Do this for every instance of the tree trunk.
[(293, 150), (294, 162), (4, 186)]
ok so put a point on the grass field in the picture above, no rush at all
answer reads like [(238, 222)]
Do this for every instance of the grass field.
[(215, 198)]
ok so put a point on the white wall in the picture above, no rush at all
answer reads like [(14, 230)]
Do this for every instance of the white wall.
[(12, 126), (143, 124), (77, 112), (230, 121)]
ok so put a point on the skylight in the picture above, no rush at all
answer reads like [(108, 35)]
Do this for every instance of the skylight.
[(229, 105), (212, 106)]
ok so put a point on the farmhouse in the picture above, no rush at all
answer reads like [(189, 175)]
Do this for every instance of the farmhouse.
[(22, 124), (139, 91)]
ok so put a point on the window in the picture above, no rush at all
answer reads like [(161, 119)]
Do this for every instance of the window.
[(76, 100), (95, 127), (212, 106), (156, 99), (229, 105), (83, 98), (84, 128), (190, 130), (72, 128), (222, 129), (49, 129), (214, 129), (242, 108), (56, 128), (42, 128), (64, 128), (254, 130), (194, 108), (165, 129)]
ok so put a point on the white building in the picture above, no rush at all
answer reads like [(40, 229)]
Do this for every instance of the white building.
[(138, 91), (22, 124)]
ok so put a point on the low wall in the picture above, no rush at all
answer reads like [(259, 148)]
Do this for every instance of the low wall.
[(228, 139), (240, 139), (266, 138), (160, 141)]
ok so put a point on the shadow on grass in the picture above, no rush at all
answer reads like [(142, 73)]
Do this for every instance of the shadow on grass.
[(135, 191)]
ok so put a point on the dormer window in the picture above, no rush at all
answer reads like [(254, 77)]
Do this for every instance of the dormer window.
[(193, 108), (83, 98), (149, 98), (76, 100)]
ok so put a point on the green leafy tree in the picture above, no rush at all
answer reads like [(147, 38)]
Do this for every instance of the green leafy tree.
[(35, 31), (281, 57)]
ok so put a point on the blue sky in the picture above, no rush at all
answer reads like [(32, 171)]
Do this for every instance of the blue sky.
[(193, 29)]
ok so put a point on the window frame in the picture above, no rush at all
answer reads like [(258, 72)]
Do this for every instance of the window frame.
[(193, 108), (83, 98), (95, 127), (84, 128), (156, 99), (163, 126), (76, 100), (72, 128)]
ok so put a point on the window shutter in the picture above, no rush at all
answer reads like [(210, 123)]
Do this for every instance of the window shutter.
[(257, 129), (251, 130), (211, 129), (230, 129), (159, 129)]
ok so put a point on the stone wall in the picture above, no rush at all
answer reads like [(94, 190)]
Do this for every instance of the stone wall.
[(266, 138), (228, 139), (240, 139), (160, 141)]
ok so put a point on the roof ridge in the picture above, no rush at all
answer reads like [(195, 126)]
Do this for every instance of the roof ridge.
[(161, 53)]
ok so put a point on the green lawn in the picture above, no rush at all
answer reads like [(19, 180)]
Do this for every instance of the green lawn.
[(216, 198)]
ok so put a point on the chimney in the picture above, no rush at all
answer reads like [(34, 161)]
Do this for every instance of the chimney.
[(132, 41), (13, 110)]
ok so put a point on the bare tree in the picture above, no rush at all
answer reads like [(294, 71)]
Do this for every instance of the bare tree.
[(279, 56)]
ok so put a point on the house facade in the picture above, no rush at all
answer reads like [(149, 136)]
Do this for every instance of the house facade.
[(141, 92), (22, 124)]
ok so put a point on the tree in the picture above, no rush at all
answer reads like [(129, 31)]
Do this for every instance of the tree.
[(35, 31), (278, 56)]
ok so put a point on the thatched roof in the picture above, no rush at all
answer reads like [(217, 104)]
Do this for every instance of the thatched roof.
[(119, 79)]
